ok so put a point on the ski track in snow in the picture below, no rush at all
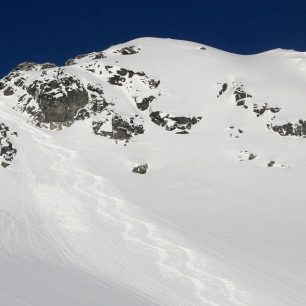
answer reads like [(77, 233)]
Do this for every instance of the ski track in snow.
[(180, 261), (173, 260)]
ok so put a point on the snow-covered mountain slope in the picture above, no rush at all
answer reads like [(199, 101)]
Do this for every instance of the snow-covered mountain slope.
[(156, 172)]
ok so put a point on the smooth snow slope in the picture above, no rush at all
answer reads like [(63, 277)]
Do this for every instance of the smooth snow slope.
[(205, 225)]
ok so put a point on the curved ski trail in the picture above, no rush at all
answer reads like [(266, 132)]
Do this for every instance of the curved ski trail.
[(172, 259)]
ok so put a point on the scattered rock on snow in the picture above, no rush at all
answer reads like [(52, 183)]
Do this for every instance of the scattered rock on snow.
[(141, 169), (273, 163), (235, 132), (246, 155)]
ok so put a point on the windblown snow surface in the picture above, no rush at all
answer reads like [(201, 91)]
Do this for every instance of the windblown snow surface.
[(219, 217)]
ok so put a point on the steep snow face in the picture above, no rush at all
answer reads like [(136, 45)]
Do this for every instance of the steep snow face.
[(156, 172)]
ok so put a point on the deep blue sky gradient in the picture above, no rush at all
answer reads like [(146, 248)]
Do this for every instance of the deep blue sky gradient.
[(56, 30)]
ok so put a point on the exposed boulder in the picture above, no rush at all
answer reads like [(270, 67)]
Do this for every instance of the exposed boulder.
[(141, 169)]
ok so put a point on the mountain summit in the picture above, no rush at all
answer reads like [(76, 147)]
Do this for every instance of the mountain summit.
[(156, 172)]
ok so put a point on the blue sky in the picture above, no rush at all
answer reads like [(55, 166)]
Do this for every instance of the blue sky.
[(56, 30)]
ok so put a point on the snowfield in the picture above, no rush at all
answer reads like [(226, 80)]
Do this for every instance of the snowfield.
[(218, 218)]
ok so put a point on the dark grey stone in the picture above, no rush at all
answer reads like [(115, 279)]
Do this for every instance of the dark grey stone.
[(141, 169)]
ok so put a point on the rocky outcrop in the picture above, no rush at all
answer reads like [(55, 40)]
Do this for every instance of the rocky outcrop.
[(88, 56), (96, 104), (8, 91), (128, 50), (223, 89), (119, 128), (56, 99), (60, 99), (145, 103), (122, 75), (241, 96), (27, 66), (16, 78), (171, 123), (260, 110), (297, 129), (7, 150), (239, 93), (137, 85)]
